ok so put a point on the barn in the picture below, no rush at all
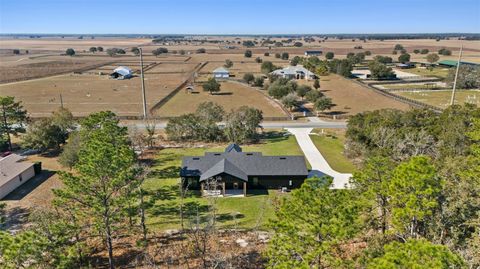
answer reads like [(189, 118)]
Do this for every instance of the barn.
[(122, 72), (14, 171), (221, 73), (235, 171)]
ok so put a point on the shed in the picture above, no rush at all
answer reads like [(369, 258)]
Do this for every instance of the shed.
[(14, 171), (122, 72), (451, 63), (313, 53), (221, 72)]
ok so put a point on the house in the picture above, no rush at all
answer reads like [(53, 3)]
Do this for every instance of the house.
[(232, 171), (451, 63), (122, 72), (313, 53), (221, 73), (294, 72), (405, 65), (14, 171)]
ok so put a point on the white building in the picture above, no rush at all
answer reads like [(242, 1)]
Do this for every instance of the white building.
[(14, 171), (122, 72), (221, 72), (294, 72)]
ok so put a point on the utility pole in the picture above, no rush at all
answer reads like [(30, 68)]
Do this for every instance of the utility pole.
[(144, 97), (452, 101)]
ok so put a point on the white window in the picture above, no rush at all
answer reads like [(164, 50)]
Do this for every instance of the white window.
[(290, 183)]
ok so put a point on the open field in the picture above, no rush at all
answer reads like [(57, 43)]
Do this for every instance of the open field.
[(83, 94), (231, 96), (251, 211), (441, 98), (352, 98), (435, 72)]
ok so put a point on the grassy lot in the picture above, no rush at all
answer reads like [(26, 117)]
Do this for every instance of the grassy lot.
[(442, 98), (251, 211), (331, 147), (436, 72), (412, 86), (232, 95), (351, 98)]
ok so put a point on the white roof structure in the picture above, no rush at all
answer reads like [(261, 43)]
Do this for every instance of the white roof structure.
[(123, 70), (12, 166), (293, 70), (222, 70)]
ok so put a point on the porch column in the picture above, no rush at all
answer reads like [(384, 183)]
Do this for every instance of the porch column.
[(223, 188), (244, 189), (201, 188)]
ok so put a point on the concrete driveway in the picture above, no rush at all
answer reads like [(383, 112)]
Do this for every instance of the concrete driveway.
[(320, 166)]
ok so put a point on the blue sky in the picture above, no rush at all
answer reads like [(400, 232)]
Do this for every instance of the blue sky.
[(239, 16)]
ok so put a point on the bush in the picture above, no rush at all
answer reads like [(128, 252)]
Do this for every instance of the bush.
[(290, 101), (267, 67), (368, 53), (278, 55), (424, 51), (258, 60), (380, 71), (298, 44), (404, 58), (329, 55), (248, 77), (266, 54), (248, 53), (70, 52), (285, 56), (211, 86), (258, 82), (312, 96), (416, 51), (228, 63), (398, 47), (445, 52), (394, 52), (201, 50)]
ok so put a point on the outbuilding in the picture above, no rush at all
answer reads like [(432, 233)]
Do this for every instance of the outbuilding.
[(451, 63), (221, 73), (14, 171), (313, 53), (122, 72)]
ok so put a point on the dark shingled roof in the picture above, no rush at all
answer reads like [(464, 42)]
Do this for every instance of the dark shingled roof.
[(233, 147), (242, 165)]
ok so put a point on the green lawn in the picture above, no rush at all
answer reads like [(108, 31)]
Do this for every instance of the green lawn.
[(442, 98), (332, 148), (252, 211), (435, 72)]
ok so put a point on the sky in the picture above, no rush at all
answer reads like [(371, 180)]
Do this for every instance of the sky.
[(239, 16)]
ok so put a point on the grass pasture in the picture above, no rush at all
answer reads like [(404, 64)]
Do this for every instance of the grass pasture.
[(243, 212), (231, 96), (441, 99)]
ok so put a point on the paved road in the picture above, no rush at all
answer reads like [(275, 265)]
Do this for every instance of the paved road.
[(320, 166), (265, 125)]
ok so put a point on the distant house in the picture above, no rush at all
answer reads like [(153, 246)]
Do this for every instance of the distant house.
[(221, 73), (451, 63), (14, 171), (122, 72), (405, 65), (294, 72), (234, 171), (313, 53)]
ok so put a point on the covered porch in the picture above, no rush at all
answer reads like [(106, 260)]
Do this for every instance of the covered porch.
[(224, 185)]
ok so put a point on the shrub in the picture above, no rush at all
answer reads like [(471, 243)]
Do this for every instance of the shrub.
[(70, 52), (285, 56), (248, 53), (248, 77), (329, 55)]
